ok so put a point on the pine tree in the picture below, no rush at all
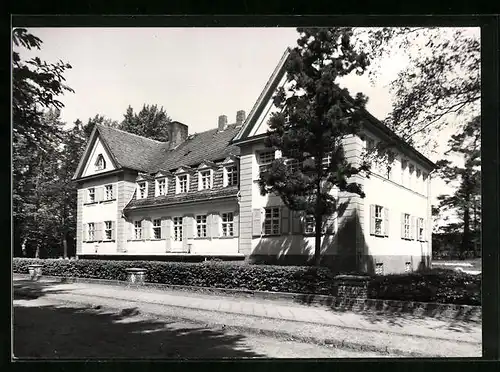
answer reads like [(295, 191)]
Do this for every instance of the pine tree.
[(315, 116), (466, 199)]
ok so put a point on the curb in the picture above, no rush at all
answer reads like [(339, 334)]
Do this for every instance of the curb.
[(335, 343), (389, 307)]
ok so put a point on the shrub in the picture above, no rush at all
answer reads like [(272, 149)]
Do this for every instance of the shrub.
[(437, 285)]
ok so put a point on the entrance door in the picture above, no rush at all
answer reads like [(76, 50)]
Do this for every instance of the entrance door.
[(177, 234)]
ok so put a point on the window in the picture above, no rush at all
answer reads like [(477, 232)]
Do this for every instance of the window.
[(420, 230), (91, 231), (157, 228), (228, 224), (265, 160), (108, 230), (310, 225), (379, 220), (91, 193), (137, 230), (379, 268), (272, 221), (182, 183), (108, 192), (177, 228), (161, 186), (408, 267), (100, 164), (231, 175), (142, 190), (201, 226), (406, 226), (327, 161), (205, 180)]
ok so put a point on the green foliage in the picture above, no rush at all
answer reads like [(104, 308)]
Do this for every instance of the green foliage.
[(151, 122), (314, 117), (466, 199), (437, 285), (440, 81), (442, 286)]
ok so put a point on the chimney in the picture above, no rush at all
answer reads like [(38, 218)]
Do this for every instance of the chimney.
[(177, 133), (222, 122), (240, 117)]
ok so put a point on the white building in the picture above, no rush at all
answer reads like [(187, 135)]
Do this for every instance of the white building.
[(198, 196)]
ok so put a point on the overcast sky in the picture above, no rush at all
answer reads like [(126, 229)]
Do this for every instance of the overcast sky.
[(196, 74)]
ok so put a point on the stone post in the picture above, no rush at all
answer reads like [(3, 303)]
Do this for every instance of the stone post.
[(352, 286), (35, 271), (136, 275)]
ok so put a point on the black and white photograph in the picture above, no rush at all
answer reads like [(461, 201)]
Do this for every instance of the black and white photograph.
[(246, 192)]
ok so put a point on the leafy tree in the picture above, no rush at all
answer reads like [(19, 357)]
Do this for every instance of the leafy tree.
[(315, 115), (440, 82), (466, 199), (98, 119), (151, 122), (35, 86)]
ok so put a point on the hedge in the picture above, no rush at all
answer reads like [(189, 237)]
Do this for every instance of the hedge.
[(441, 286)]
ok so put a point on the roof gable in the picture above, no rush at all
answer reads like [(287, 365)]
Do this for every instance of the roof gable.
[(256, 125)]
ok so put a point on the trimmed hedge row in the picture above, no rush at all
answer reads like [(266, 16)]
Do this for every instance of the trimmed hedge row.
[(296, 279), (437, 285)]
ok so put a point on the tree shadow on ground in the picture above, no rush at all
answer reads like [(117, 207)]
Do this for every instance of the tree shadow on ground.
[(53, 332), (29, 290)]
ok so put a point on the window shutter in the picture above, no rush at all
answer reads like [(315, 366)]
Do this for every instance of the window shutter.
[(257, 222), (113, 191), (412, 228), (236, 224), (163, 228), (99, 228), (209, 226), (113, 230), (145, 229), (214, 225), (372, 219), (168, 234), (424, 230), (330, 224), (84, 233), (297, 225), (403, 226), (99, 193), (386, 222), (85, 196), (285, 220)]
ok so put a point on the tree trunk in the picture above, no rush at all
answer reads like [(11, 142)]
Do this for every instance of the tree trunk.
[(318, 220), (466, 234), (65, 245), (37, 252)]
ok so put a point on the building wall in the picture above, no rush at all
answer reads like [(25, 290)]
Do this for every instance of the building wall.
[(97, 212), (126, 188), (351, 247), (211, 245)]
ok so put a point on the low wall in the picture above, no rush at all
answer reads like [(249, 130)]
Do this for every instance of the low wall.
[(391, 307)]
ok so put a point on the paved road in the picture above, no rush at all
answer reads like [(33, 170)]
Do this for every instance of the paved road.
[(379, 333), (45, 328)]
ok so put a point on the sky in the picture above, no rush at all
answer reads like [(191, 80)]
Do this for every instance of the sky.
[(196, 74)]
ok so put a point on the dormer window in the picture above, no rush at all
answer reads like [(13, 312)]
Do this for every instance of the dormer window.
[(230, 175), (205, 180), (142, 190), (265, 160), (161, 186), (182, 183), (100, 163)]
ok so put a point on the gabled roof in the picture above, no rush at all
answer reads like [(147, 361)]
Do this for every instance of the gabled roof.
[(269, 91), (142, 154), (211, 145)]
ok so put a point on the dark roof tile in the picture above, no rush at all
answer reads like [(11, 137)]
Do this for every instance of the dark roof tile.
[(182, 198)]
